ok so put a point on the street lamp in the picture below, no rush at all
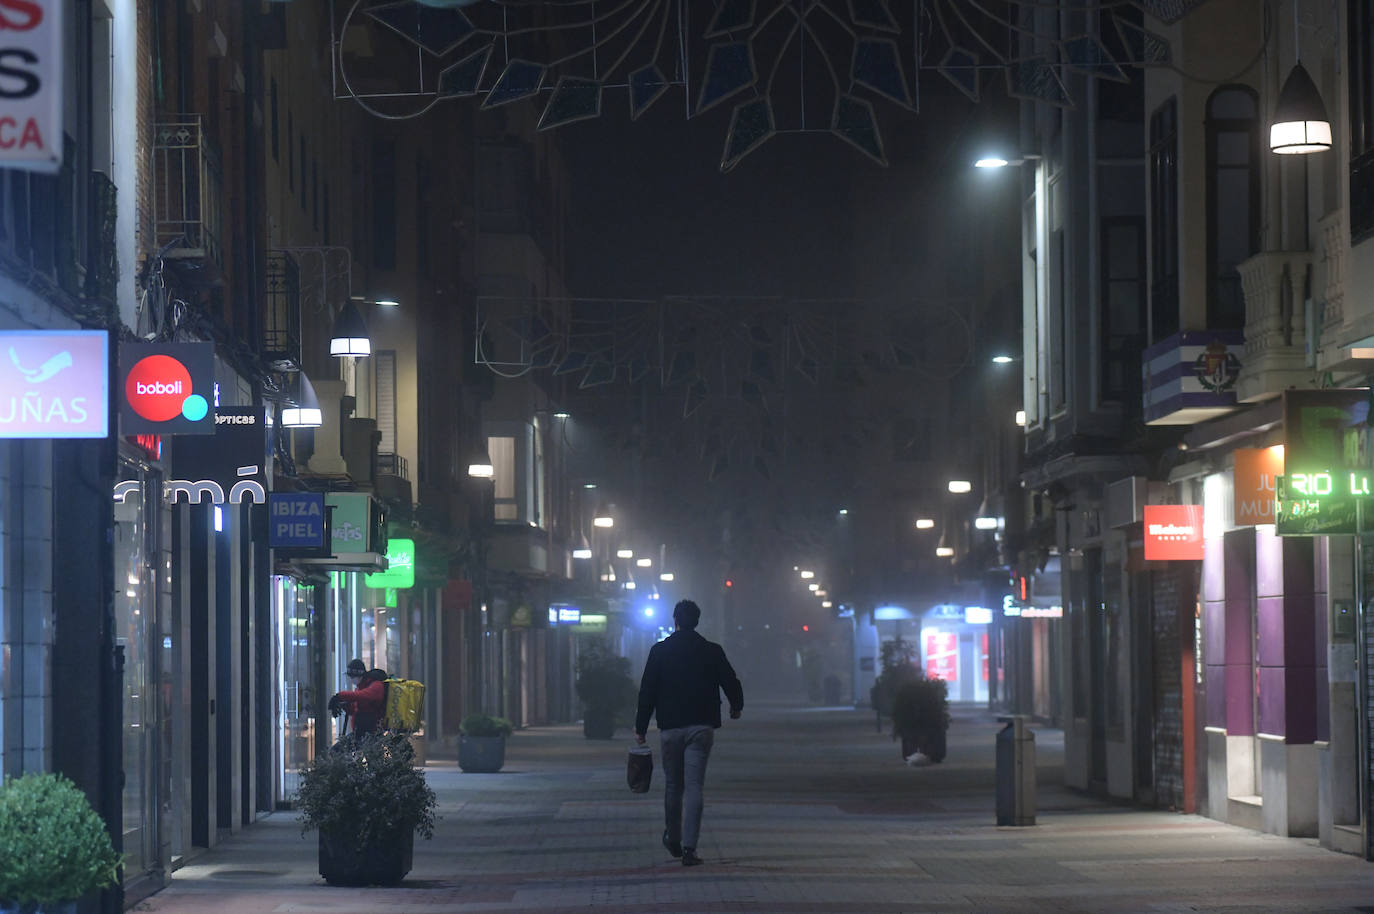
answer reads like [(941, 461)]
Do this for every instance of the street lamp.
[(924, 523), (480, 467), (624, 553), (666, 576), (645, 562), (349, 338), (603, 521), (960, 486), (306, 413), (807, 575)]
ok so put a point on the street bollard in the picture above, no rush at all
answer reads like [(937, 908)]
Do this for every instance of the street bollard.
[(1015, 772)]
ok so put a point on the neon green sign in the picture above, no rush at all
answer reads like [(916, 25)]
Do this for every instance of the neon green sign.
[(400, 574)]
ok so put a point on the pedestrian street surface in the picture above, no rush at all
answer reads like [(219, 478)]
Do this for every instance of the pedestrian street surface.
[(809, 810)]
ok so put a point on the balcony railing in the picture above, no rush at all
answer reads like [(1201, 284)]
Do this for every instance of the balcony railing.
[(186, 196), (281, 312), (393, 465)]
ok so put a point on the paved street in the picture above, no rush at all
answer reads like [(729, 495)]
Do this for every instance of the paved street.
[(807, 811)]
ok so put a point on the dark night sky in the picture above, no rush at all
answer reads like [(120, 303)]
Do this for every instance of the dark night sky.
[(653, 215)]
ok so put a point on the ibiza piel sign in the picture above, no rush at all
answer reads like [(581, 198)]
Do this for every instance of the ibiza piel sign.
[(31, 84)]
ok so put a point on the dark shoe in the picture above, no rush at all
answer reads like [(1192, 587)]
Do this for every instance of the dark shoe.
[(690, 858), (673, 847)]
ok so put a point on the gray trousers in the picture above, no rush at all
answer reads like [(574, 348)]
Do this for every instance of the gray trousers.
[(685, 753)]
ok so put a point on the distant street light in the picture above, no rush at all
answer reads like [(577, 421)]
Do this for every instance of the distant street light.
[(666, 576), (624, 553), (924, 523), (1003, 359), (944, 552), (806, 575), (644, 563), (985, 523), (960, 486), (1021, 417), (582, 553), (813, 587), (604, 522)]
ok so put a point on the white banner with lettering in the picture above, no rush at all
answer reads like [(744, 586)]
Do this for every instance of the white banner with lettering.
[(31, 84)]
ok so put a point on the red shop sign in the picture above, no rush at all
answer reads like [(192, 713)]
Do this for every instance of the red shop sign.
[(1173, 532)]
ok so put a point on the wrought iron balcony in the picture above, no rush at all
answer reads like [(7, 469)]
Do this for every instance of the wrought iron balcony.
[(187, 190), (281, 312)]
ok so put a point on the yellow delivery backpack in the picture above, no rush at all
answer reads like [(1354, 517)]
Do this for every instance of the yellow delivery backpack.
[(405, 701)]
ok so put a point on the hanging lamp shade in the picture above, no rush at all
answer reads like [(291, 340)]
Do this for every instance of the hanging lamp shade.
[(349, 334), (1300, 123), (306, 413)]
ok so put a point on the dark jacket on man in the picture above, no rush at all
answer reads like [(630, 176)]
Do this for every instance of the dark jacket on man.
[(682, 682)]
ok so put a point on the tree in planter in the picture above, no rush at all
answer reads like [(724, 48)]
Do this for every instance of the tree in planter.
[(54, 848), (605, 687), (897, 669), (482, 743), (368, 800), (920, 717)]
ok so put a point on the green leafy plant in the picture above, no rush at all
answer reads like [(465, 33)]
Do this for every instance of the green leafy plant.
[(604, 684), (485, 725), (898, 668), (53, 846), (371, 789), (919, 706)]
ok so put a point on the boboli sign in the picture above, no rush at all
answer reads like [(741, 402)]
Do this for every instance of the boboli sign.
[(31, 84)]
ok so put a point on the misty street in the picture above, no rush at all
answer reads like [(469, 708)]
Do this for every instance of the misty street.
[(809, 810)]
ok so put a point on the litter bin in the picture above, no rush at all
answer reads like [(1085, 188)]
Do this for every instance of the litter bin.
[(1015, 772)]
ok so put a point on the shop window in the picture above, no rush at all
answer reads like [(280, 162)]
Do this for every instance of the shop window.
[(502, 453), (1233, 189)]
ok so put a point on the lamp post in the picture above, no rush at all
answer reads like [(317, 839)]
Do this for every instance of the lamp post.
[(482, 474)]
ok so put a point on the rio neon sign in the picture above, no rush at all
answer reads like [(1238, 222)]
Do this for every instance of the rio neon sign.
[(1316, 485)]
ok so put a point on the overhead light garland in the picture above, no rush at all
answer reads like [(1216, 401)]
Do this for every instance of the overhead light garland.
[(820, 67)]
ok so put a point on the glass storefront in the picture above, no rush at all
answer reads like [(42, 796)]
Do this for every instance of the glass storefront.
[(294, 625), (148, 691)]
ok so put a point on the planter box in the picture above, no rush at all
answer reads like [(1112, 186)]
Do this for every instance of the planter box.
[(344, 862), (481, 754)]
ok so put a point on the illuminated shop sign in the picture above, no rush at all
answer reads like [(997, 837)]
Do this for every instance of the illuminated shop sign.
[(400, 573), (296, 520), (1042, 612), (1257, 471), (54, 383), (223, 469), (977, 615), (164, 387), (31, 62), (1327, 462), (564, 614), (1172, 533)]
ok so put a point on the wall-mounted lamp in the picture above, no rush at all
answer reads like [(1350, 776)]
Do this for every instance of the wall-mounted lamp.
[(666, 576), (306, 412), (349, 338), (603, 521), (480, 467), (582, 553)]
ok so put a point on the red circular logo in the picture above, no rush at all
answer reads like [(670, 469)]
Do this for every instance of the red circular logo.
[(157, 386)]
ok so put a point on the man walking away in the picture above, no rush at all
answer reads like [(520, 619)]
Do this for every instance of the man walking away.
[(682, 681)]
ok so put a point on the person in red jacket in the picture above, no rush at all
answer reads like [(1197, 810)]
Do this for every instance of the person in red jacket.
[(366, 703)]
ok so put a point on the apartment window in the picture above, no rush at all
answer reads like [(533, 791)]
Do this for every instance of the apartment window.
[(276, 137), (1360, 15), (384, 205), (422, 192), (305, 177), (1164, 221), (502, 453), (1123, 299), (384, 366), (290, 157), (1233, 189)]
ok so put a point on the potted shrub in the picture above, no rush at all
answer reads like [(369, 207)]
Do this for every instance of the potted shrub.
[(605, 687), (920, 717), (368, 800), (54, 848), (482, 743), (897, 668)]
